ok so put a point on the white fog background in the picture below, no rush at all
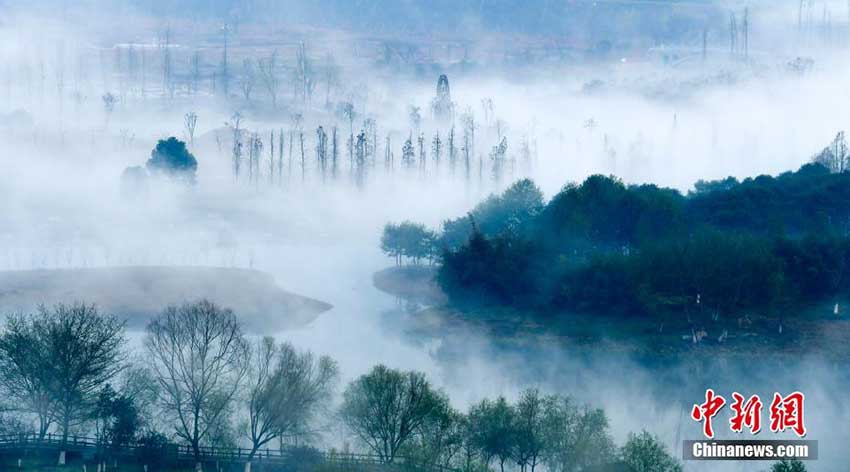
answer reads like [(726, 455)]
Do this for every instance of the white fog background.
[(647, 121)]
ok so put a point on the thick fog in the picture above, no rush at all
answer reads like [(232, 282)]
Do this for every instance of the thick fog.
[(668, 112)]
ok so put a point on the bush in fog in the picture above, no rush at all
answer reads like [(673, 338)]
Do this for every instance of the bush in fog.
[(170, 157), (134, 182)]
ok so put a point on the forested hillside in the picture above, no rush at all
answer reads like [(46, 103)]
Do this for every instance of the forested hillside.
[(764, 245)]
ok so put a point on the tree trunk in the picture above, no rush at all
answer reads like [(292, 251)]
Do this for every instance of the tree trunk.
[(66, 424)]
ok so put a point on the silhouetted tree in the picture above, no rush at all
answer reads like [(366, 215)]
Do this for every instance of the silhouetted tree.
[(386, 407), (199, 357), (643, 452), (285, 390), (170, 157)]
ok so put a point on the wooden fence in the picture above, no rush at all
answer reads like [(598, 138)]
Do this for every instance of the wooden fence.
[(86, 449)]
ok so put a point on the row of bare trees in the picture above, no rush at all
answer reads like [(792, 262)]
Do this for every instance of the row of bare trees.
[(58, 368), (282, 155)]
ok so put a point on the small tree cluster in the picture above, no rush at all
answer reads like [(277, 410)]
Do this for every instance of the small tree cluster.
[(410, 240)]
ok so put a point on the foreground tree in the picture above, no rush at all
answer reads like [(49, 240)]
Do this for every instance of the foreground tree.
[(199, 357), (60, 358), (532, 440), (788, 465), (286, 389), (440, 437), (644, 453), (23, 385), (493, 424), (386, 407), (578, 438), (116, 416)]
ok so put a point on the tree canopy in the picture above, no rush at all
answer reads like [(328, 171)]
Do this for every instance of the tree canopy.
[(172, 158), (764, 243)]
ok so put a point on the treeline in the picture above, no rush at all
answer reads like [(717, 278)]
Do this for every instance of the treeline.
[(202, 382), (761, 245)]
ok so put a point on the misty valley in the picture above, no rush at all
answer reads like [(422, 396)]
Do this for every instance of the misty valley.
[(424, 236)]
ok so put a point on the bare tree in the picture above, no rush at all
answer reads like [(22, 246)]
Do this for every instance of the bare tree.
[(280, 156), (321, 149), (247, 79), (331, 76), (334, 152), (199, 357), (452, 149), (165, 53), (303, 74), (190, 120), (468, 120), (286, 389), (236, 152), (346, 110), (269, 77), (271, 157), (225, 74), (415, 117), (195, 70)]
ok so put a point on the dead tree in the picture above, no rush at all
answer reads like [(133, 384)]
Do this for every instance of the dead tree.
[(247, 79), (199, 357), (225, 74), (436, 149), (452, 150), (361, 159), (420, 141), (271, 157), (321, 150), (190, 120), (280, 157), (388, 156), (236, 153), (269, 77), (334, 152)]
